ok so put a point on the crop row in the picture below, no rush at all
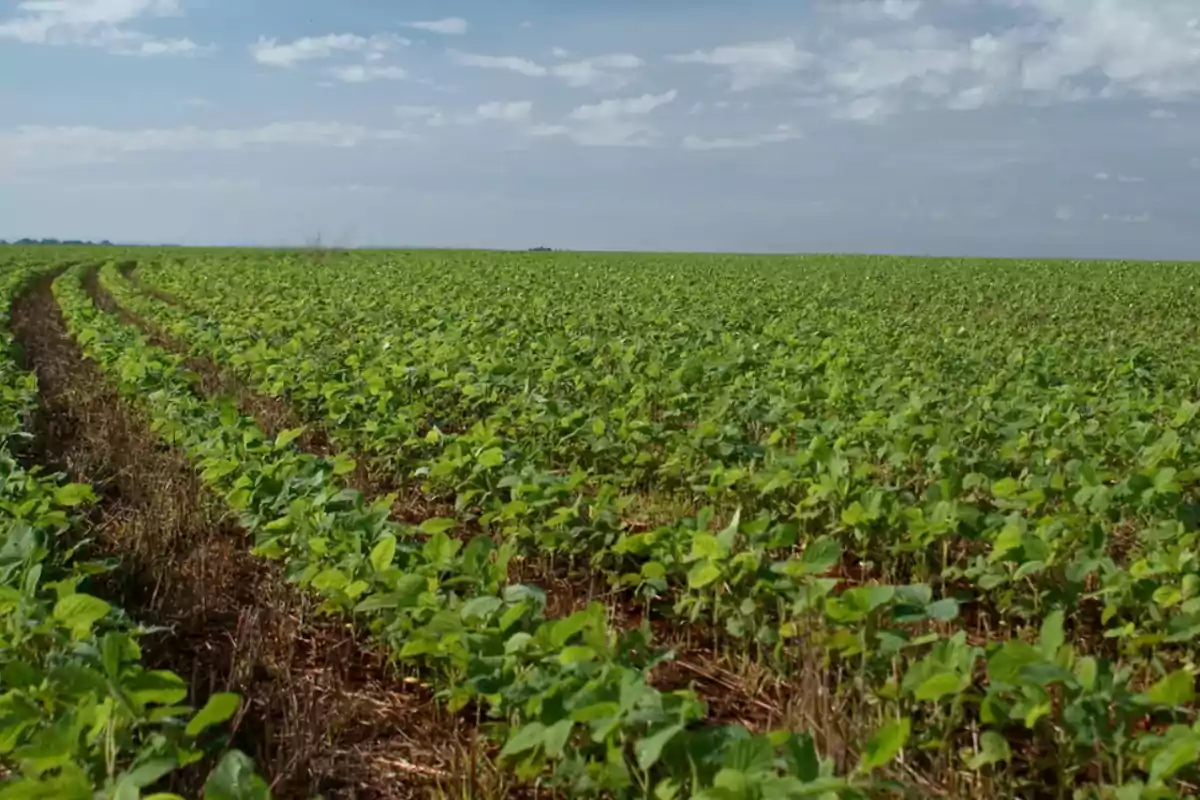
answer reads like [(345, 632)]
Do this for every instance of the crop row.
[(80, 715)]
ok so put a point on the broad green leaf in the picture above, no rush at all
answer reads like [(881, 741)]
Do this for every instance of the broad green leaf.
[(383, 553), (556, 737), (885, 745), (286, 437), (938, 686), (80, 612), (74, 494), (528, 737), (218, 709), (649, 749), (1052, 637), (1006, 488), (1176, 690), (993, 749), (821, 555), (235, 779), (702, 575), (491, 458), (438, 525)]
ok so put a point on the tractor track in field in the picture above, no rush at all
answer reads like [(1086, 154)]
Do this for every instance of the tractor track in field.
[(321, 712)]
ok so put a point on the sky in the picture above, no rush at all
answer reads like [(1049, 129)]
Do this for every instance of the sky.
[(1023, 128)]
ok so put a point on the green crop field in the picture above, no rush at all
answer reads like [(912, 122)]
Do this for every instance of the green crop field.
[(614, 525)]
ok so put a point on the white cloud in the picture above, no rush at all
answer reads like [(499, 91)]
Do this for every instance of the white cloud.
[(312, 48), (618, 122), (33, 145), (607, 72), (783, 133), (632, 106), (1150, 49), (603, 73), (97, 23), (864, 109), (1162, 113), (752, 64), (165, 47), (450, 26), (516, 111), (1128, 219), (1037, 51), (559, 52), (874, 10), (521, 66), (364, 73), (1102, 176)]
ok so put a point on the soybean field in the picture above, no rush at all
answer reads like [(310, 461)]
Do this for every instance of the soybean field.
[(484, 524)]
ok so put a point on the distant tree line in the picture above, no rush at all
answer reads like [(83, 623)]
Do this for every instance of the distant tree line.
[(105, 243)]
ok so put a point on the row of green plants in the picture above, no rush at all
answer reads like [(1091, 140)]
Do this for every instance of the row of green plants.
[(949, 478), (567, 700), (81, 717)]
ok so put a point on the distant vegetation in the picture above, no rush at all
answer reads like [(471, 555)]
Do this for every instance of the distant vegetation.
[(104, 243)]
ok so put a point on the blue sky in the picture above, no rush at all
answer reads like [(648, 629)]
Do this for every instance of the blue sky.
[(978, 127)]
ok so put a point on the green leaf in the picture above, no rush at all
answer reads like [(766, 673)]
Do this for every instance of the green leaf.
[(802, 757), (491, 458), (143, 775), (993, 749), (557, 735), (938, 686), (576, 654), (1052, 637), (480, 607), (74, 494), (1006, 488), (649, 749), (885, 744), (288, 436), (383, 553), (330, 580), (80, 612), (527, 738), (1085, 672), (235, 779), (1174, 757), (944, 610), (219, 708), (343, 464), (239, 499), (438, 525), (702, 575), (1174, 691), (158, 687), (821, 555)]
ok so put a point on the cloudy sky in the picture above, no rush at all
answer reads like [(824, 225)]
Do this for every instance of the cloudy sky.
[(987, 127)]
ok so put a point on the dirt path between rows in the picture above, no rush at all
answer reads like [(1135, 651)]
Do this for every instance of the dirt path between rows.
[(321, 712)]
